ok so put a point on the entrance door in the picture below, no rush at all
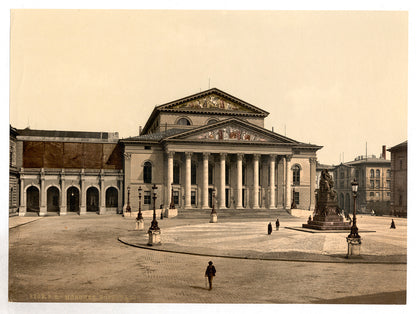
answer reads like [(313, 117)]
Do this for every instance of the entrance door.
[(92, 199), (210, 197), (32, 199), (244, 197), (53, 199), (72, 199), (227, 198)]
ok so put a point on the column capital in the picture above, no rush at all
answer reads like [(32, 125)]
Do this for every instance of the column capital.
[(288, 157), (205, 155), (170, 154), (223, 155), (312, 160), (256, 156), (127, 156), (188, 154), (273, 157), (240, 156)]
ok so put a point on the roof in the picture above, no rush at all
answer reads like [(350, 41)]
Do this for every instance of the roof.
[(155, 137), (67, 134), (400, 146), (369, 160), (177, 106)]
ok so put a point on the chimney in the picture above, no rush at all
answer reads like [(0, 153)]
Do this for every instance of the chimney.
[(140, 130), (383, 154), (272, 128)]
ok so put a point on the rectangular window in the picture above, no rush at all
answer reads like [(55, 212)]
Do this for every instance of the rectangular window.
[(377, 184), (388, 184), (372, 184), (147, 197), (193, 197), (377, 194), (296, 196), (388, 193), (176, 197)]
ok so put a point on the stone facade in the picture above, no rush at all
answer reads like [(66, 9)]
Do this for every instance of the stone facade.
[(399, 179), (13, 174), (63, 172), (374, 180), (212, 142)]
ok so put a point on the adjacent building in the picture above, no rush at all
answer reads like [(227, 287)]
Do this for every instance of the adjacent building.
[(13, 173), (399, 179), (374, 183), (64, 172), (213, 147)]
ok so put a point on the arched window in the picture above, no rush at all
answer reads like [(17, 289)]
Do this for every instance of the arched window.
[(296, 175), (176, 173), (378, 173), (147, 172), (372, 173), (211, 121), (111, 197), (183, 121)]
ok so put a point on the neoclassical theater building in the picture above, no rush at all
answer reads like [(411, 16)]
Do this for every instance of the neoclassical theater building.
[(213, 147)]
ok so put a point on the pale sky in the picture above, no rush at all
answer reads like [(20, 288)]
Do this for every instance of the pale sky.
[(335, 78)]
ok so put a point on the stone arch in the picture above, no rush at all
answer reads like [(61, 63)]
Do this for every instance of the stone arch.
[(111, 197), (72, 198), (93, 198), (53, 195), (32, 199)]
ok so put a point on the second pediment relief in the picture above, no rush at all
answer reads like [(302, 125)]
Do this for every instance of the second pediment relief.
[(230, 133)]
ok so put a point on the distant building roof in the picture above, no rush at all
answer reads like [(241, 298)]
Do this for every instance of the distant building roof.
[(67, 134), (398, 146), (323, 166), (152, 137), (367, 159)]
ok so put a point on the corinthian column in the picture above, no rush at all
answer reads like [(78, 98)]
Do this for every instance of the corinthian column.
[(188, 156), (255, 181), (222, 181), (169, 180), (288, 182), (239, 181), (312, 165), (272, 203), (205, 158)]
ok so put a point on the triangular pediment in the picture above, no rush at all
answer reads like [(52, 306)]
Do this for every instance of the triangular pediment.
[(212, 100), (233, 130)]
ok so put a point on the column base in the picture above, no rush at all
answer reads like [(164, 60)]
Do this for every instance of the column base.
[(272, 207), (205, 207), (239, 207), (83, 210), (101, 211), (188, 207), (154, 237), (62, 213), (213, 218), (256, 207)]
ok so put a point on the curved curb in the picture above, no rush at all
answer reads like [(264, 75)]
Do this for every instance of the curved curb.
[(347, 261), (25, 223)]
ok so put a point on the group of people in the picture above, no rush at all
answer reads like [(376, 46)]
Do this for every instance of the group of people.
[(270, 228)]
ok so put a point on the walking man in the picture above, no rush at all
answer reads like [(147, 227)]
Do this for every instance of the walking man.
[(269, 228), (210, 273), (392, 225), (278, 224)]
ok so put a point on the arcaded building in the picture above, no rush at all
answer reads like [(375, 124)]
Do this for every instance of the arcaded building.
[(213, 147), (69, 172)]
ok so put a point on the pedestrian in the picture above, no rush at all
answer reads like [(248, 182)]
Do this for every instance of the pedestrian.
[(393, 225), (269, 228), (277, 224), (210, 273)]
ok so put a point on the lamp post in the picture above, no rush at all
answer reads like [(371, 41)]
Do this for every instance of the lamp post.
[(139, 219), (154, 225), (154, 230), (354, 229), (128, 208), (354, 239), (172, 203), (213, 212)]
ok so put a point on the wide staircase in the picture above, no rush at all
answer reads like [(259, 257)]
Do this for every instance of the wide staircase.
[(245, 213)]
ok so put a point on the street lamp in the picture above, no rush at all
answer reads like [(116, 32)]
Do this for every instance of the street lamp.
[(139, 214), (154, 225), (354, 230), (128, 208), (172, 203)]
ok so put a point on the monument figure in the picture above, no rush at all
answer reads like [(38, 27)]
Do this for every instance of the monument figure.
[(327, 215)]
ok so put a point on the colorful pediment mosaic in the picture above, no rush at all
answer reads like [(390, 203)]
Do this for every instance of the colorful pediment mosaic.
[(230, 133), (211, 102)]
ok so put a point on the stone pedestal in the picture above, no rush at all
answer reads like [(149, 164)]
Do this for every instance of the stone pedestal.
[(154, 237), (354, 246), (213, 218), (139, 224)]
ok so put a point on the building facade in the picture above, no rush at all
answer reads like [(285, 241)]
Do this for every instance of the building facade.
[(64, 172), (374, 182), (399, 179), (213, 147), (13, 173)]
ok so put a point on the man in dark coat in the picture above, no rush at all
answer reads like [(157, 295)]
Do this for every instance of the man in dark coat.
[(393, 225), (277, 224), (210, 273), (269, 228)]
